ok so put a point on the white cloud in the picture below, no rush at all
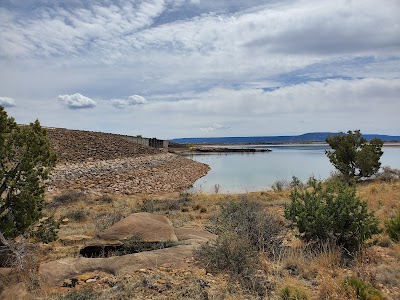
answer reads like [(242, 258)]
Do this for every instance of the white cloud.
[(136, 100), (131, 101), (76, 101), (203, 60), (7, 101), (215, 127)]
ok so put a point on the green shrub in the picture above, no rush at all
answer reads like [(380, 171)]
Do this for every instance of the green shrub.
[(392, 227), (249, 220), (25, 163), (363, 290), (46, 230), (296, 183), (331, 214), (292, 293)]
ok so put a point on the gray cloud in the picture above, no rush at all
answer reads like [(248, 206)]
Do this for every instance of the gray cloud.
[(257, 65), (7, 102), (76, 101), (334, 28)]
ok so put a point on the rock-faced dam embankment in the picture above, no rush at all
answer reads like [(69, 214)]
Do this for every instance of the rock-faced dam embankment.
[(102, 163)]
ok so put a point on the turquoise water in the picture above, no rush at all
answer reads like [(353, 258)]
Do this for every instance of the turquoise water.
[(246, 172)]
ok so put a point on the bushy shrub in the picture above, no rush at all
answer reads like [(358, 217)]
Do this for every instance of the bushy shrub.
[(388, 174), (233, 254), (46, 230), (279, 185), (106, 220), (230, 252), (363, 290), (292, 293), (392, 227), (77, 215), (67, 197), (296, 183), (105, 199), (243, 229), (249, 220), (331, 214)]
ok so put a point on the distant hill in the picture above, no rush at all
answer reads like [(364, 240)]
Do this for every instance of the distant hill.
[(304, 138)]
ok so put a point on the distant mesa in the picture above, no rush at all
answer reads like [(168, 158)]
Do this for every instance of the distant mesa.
[(314, 137)]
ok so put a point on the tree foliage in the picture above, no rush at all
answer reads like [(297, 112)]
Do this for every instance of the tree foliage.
[(331, 214), (25, 161), (353, 156)]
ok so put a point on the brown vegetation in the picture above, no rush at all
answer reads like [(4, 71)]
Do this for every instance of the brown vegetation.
[(298, 268)]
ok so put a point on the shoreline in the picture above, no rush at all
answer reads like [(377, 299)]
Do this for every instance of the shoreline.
[(227, 150)]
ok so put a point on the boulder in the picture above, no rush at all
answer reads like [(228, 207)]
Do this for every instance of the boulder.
[(144, 227)]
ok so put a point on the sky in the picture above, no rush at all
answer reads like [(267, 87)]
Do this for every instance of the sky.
[(202, 68)]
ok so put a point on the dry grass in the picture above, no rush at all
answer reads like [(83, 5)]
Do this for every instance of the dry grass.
[(318, 272), (382, 197)]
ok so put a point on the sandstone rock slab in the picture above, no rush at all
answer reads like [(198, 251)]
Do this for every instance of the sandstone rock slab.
[(144, 227), (54, 273)]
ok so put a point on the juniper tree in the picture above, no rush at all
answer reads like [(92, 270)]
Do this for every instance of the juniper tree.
[(353, 156), (25, 161)]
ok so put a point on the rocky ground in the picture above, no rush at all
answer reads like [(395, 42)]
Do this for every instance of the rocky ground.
[(136, 262), (128, 243), (101, 163), (78, 146)]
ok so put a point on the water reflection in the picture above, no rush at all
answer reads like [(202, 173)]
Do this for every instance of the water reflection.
[(245, 172)]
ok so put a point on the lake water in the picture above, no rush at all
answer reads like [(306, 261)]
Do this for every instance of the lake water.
[(245, 172)]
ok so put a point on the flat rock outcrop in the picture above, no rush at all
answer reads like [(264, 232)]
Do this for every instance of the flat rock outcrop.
[(153, 228), (54, 273), (143, 227)]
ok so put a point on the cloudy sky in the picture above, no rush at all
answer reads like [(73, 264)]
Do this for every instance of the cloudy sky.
[(192, 68)]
